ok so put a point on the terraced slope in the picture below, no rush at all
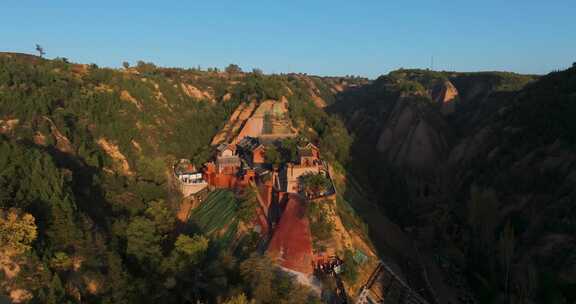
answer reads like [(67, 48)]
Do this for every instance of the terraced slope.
[(216, 216)]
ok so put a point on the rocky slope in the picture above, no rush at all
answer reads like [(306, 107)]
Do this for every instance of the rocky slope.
[(506, 142)]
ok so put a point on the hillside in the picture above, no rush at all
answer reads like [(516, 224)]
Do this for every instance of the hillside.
[(432, 186), (87, 152), (478, 168)]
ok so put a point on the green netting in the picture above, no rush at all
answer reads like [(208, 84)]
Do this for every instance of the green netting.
[(217, 214)]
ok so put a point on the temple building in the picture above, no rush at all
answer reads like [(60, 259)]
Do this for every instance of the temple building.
[(227, 161), (309, 162), (308, 154), (190, 181), (252, 150)]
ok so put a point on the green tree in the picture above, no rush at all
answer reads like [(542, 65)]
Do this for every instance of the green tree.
[(193, 248), (188, 252), (119, 286), (163, 218), (247, 204), (482, 219), (40, 50), (143, 240), (272, 156), (63, 231), (506, 245), (233, 69), (336, 141), (258, 272), (288, 291), (350, 273), (290, 149), (321, 225), (267, 285), (314, 184), (61, 261), (56, 292), (146, 67)]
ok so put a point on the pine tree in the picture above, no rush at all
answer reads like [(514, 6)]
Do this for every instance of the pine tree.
[(56, 292), (506, 245), (144, 241)]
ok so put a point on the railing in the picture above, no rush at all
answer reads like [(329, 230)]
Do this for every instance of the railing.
[(406, 293), (192, 182), (431, 293)]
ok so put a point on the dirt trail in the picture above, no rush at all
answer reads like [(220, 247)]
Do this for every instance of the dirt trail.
[(184, 211)]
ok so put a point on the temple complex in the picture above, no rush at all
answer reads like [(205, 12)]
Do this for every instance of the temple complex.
[(242, 162), (286, 174)]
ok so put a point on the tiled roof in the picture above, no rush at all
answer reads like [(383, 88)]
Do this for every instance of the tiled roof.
[(185, 167), (249, 143), (305, 152), (221, 147)]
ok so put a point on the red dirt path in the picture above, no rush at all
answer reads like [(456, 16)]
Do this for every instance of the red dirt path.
[(291, 244)]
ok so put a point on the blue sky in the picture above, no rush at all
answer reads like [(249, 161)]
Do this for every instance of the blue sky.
[(365, 38)]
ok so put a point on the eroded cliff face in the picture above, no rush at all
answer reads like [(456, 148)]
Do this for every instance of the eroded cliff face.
[(427, 125), (411, 137), (494, 138), (401, 133), (446, 96)]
